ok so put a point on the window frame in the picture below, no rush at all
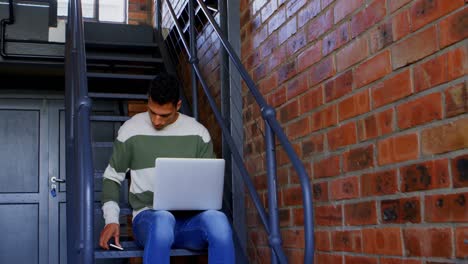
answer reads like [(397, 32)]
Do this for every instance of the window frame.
[(95, 17)]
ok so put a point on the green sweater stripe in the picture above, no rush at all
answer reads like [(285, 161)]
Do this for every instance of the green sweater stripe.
[(148, 148), (110, 191)]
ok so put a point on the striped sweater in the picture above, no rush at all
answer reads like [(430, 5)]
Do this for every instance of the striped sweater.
[(137, 146)]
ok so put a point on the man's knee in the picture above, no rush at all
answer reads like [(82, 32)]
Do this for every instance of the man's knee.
[(162, 227), (218, 227)]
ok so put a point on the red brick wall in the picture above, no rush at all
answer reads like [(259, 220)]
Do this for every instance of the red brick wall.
[(373, 95), (140, 12)]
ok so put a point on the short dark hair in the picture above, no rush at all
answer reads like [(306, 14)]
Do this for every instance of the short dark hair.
[(164, 89)]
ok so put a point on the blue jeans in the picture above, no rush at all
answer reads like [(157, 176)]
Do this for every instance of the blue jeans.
[(159, 231)]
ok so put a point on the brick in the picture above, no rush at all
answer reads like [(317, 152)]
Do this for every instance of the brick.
[(269, 8), (286, 71), (259, 72), (293, 6), (346, 188), (309, 56), (297, 86), (276, 20), (327, 167), (351, 54), (345, 7), (445, 138), (401, 211), (322, 258), (328, 215), (286, 30), (335, 39), (425, 176), (368, 17), (414, 48), (259, 36), (425, 11), (322, 240), (461, 248), (381, 36), (276, 58), (355, 105), (401, 25), (269, 83), (359, 158), (312, 99), (397, 4), (284, 217), (293, 238), (252, 60), (325, 3), (460, 171), (430, 73), (342, 136), (259, 238), (269, 45), (349, 241), (360, 260), (397, 149), (399, 261), (289, 111), (278, 97), (457, 63), (319, 25), (296, 42), (325, 118), (392, 89), (419, 111), (456, 100), (382, 241), (428, 242), (308, 12), (376, 125), (321, 71), (373, 69), (312, 145), (298, 214), (443, 208), (339, 86), (299, 128), (320, 192), (379, 183), (454, 27), (363, 213)]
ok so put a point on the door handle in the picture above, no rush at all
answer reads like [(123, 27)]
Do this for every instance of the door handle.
[(55, 179)]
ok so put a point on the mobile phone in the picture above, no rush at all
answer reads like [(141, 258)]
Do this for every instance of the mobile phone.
[(115, 246)]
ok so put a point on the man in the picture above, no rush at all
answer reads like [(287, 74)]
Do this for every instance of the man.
[(161, 132)]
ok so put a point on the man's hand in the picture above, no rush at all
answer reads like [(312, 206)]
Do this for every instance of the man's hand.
[(110, 230)]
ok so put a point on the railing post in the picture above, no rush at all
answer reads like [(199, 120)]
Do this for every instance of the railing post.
[(158, 19), (275, 236), (193, 58)]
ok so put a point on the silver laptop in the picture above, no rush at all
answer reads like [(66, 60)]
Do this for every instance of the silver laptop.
[(188, 184)]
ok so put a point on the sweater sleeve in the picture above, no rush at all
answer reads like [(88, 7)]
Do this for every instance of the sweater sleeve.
[(112, 179), (205, 146)]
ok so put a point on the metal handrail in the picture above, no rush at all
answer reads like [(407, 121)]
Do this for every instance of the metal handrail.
[(272, 128), (79, 164)]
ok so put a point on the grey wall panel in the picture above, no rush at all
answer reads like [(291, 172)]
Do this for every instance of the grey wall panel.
[(20, 233), (19, 151), (63, 233), (32, 22)]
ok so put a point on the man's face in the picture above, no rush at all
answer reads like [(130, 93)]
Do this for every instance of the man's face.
[(163, 115)]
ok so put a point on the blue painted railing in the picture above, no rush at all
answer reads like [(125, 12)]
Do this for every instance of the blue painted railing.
[(272, 128), (79, 163)]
